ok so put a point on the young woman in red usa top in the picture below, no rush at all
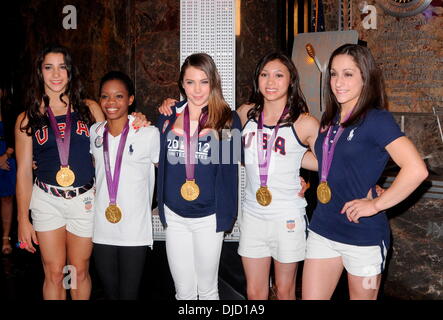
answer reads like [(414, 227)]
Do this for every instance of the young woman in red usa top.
[(54, 132)]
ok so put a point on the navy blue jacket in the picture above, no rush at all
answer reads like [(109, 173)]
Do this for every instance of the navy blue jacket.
[(226, 185)]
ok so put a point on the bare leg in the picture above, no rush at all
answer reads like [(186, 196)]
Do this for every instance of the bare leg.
[(53, 251), (363, 288), (79, 252), (285, 274), (257, 277), (320, 277), (6, 210)]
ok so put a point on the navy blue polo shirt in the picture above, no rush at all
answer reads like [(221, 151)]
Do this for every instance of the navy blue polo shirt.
[(359, 160)]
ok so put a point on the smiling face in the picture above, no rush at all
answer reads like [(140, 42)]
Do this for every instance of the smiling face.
[(197, 87), (273, 81), (346, 80), (115, 99), (55, 73)]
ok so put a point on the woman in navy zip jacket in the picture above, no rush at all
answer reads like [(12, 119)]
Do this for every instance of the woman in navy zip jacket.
[(198, 178)]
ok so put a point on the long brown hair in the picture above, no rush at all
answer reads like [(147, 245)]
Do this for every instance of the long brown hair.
[(219, 113), (373, 94), (36, 93)]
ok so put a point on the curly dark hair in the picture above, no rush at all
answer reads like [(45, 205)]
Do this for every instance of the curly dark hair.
[(36, 93), (296, 100)]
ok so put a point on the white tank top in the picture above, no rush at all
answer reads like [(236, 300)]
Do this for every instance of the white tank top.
[(283, 175)]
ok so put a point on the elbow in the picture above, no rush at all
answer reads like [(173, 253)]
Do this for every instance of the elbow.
[(421, 172), (424, 173)]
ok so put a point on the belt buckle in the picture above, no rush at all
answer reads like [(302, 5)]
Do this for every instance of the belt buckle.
[(69, 194)]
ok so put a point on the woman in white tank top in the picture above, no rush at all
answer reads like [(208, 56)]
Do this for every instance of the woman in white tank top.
[(273, 225)]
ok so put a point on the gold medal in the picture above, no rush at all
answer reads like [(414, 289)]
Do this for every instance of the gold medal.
[(324, 193), (65, 177), (190, 190), (113, 213), (263, 196)]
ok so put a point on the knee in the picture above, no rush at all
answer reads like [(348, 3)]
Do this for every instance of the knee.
[(54, 275), (82, 274), (78, 273), (285, 291), (257, 293)]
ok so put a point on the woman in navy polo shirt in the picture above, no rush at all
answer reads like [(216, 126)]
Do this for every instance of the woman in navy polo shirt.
[(356, 139), (197, 178)]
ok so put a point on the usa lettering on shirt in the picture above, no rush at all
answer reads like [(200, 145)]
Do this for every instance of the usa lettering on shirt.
[(279, 144), (42, 134)]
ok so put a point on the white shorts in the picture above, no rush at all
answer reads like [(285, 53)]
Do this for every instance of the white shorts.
[(284, 240), (361, 261), (49, 212)]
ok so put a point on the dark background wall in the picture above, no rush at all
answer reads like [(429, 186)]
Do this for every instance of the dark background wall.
[(139, 37)]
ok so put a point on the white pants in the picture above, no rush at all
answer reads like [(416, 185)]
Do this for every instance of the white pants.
[(193, 248)]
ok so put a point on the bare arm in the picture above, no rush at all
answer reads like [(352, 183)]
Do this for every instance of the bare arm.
[(242, 112), (412, 173), (307, 130), (23, 147), (95, 110), (166, 106), (98, 115), (309, 161)]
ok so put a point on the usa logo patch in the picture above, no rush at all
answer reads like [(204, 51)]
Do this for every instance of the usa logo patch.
[(290, 225), (88, 204)]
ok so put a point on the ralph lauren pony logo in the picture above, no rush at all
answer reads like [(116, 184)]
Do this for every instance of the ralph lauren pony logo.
[(131, 150), (351, 134)]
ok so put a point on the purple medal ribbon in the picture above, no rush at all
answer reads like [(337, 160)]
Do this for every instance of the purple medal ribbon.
[(113, 182), (328, 153), (263, 163), (62, 143), (190, 142)]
